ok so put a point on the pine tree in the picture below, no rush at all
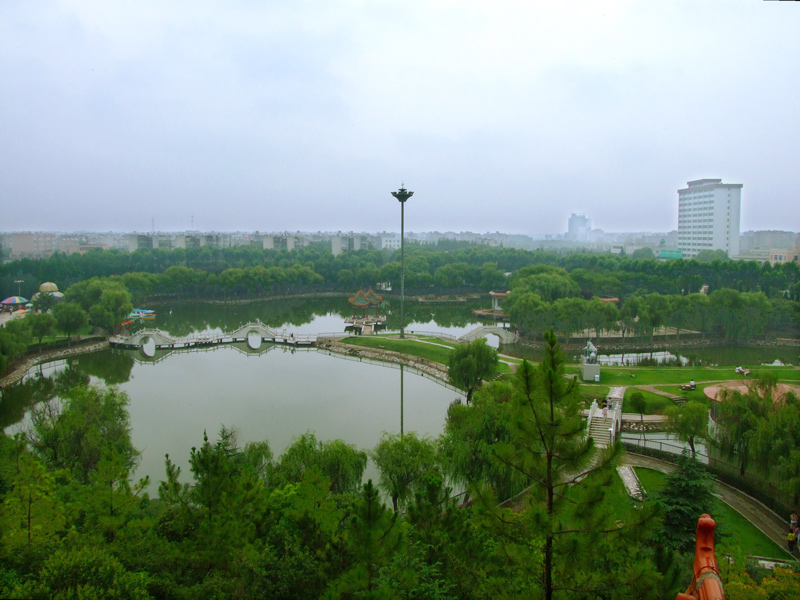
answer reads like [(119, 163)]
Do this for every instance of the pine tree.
[(563, 528)]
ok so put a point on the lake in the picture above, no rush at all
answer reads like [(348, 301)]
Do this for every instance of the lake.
[(275, 394)]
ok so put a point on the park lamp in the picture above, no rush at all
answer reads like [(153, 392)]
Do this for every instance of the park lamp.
[(402, 195)]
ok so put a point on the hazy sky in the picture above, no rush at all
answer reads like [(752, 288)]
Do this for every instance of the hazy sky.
[(500, 115)]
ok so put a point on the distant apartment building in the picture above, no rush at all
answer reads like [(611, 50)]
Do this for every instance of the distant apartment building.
[(578, 228), (786, 255), (348, 243), (754, 240), (32, 244), (283, 242), (390, 242), (708, 217)]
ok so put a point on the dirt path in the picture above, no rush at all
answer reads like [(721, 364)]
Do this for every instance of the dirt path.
[(766, 520)]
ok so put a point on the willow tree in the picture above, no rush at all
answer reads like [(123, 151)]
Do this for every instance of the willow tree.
[(470, 364)]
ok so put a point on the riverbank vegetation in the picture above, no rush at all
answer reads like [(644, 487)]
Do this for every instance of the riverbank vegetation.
[(732, 526), (244, 523), (733, 300), (728, 301)]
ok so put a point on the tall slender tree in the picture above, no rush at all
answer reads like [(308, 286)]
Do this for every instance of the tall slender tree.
[(565, 531)]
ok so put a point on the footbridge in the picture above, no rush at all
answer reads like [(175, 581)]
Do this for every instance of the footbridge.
[(506, 335), (253, 333)]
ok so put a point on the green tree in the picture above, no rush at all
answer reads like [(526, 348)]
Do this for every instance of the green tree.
[(638, 403), (689, 421), (738, 417), (32, 511), (707, 256), (220, 510), (685, 496), (43, 301), (88, 573), (470, 363), (70, 318), (91, 424), (111, 309), (404, 462), (565, 531), (645, 253), (13, 342), (342, 463), (41, 324), (372, 537)]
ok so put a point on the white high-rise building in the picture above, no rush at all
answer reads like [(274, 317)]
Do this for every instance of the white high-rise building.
[(578, 227), (708, 217)]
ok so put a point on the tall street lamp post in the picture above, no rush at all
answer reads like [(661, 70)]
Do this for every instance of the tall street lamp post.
[(402, 195)]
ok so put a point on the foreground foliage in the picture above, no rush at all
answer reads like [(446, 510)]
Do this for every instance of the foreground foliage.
[(242, 523)]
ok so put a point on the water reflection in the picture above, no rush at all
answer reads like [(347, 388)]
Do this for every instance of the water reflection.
[(634, 358), (275, 397), (308, 315)]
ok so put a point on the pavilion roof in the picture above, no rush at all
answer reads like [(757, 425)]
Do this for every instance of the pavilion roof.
[(368, 298)]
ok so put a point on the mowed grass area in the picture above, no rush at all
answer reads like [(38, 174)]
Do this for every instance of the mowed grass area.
[(655, 404), (614, 376), (666, 378), (732, 527), (422, 349)]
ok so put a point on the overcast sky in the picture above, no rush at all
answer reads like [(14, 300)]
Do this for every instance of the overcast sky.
[(305, 115)]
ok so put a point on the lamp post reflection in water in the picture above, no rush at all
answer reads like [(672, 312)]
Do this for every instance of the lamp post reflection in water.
[(402, 195)]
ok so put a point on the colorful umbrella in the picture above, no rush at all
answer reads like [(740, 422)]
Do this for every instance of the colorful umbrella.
[(14, 300)]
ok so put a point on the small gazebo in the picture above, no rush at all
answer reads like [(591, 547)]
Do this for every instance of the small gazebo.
[(364, 300)]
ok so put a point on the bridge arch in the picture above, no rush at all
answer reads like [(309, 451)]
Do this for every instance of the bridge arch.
[(506, 335)]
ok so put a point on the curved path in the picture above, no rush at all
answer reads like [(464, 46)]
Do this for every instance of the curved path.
[(766, 520)]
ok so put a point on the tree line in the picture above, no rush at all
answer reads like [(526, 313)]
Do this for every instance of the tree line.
[(544, 296), (256, 271)]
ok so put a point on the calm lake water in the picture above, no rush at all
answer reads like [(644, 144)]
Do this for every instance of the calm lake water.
[(276, 394), (273, 395)]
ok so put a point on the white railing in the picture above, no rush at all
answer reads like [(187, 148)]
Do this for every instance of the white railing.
[(592, 412)]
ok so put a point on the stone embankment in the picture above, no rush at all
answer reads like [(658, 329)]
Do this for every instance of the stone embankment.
[(19, 370), (429, 367)]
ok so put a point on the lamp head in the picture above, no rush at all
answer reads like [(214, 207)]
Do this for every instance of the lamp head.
[(402, 194)]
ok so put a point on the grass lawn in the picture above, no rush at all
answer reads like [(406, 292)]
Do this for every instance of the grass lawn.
[(677, 375), (667, 378), (593, 392), (655, 403), (732, 528), (411, 347), (694, 395)]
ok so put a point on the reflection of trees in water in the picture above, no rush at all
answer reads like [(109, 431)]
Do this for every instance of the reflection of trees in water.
[(112, 366), (185, 318), (16, 400), (444, 315)]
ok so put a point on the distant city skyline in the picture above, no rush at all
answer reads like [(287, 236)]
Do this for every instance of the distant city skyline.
[(499, 116)]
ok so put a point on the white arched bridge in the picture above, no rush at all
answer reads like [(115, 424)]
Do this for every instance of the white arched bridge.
[(253, 333), (506, 335)]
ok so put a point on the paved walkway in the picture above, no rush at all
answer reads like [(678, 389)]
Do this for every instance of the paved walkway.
[(766, 520)]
